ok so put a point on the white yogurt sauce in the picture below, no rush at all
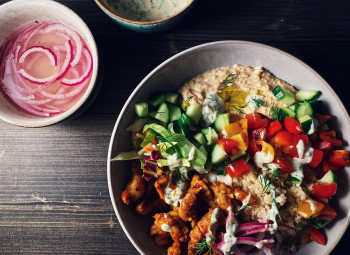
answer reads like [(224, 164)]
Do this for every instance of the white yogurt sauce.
[(261, 158), (212, 107), (260, 244), (165, 228), (213, 177), (245, 202), (146, 10), (174, 196), (274, 209), (298, 164), (301, 148), (229, 236), (312, 205), (251, 103)]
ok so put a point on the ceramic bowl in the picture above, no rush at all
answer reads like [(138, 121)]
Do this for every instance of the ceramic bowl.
[(134, 15), (18, 12), (189, 64)]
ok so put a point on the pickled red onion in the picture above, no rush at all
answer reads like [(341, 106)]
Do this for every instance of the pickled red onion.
[(69, 54), (49, 53)]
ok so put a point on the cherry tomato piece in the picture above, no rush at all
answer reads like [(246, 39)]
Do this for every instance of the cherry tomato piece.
[(252, 148), (322, 118), (273, 128), (339, 158), (325, 190), (330, 136), (255, 121), (328, 213), (317, 236), (258, 135), (324, 146), (326, 166), (316, 158), (284, 163), (237, 167), (294, 148), (284, 138), (226, 144), (292, 125)]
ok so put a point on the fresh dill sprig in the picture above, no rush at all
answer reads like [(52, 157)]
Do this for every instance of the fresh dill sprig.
[(258, 102), (202, 247), (228, 81), (239, 108), (188, 99), (266, 182), (274, 112)]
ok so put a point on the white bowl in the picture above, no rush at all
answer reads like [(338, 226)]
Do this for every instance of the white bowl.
[(171, 75), (18, 12)]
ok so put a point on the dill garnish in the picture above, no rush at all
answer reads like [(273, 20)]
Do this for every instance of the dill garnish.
[(202, 247), (239, 108), (274, 112), (266, 182), (258, 102), (228, 81)]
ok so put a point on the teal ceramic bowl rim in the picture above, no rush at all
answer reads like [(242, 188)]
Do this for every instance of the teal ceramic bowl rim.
[(142, 23)]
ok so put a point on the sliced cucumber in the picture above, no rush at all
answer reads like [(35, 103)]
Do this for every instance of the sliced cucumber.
[(295, 180), (283, 95), (239, 155), (292, 107), (302, 109), (218, 155), (172, 97), (210, 135), (174, 112), (283, 112), (199, 137), (184, 125), (221, 121), (203, 150), (307, 124), (163, 113), (194, 112), (307, 94), (141, 109), (316, 105), (328, 178), (157, 99)]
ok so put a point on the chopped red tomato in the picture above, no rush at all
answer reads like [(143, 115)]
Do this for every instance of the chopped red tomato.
[(325, 190), (339, 158), (326, 166), (294, 148), (258, 135), (255, 121), (316, 158), (317, 236), (226, 144), (292, 125), (322, 118), (324, 146), (330, 136), (234, 151), (252, 148), (237, 167), (284, 163), (328, 213), (284, 138), (273, 128), (305, 235)]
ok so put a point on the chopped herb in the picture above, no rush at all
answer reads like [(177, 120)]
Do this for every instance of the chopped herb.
[(274, 112), (228, 81), (36, 21), (258, 102), (211, 98), (202, 247), (141, 163), (239, 108), (188, 99), (18, 42), (266, 182), (245, 162), (178, 175)]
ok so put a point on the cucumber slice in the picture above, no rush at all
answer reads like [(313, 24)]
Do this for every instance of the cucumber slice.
[(203, 150), (194, 112), (141, 109), (210, 135), (283, 112), (184, 125), (292, 107), (239, 155), (307, 94), (316, 105), (283, 95), (172, 97), (218, 155), (221, 121), (157, 99), (163, 113), (307, 124), (302, 109), (328, 178), (174, 112), (199, 137), (295, 180)]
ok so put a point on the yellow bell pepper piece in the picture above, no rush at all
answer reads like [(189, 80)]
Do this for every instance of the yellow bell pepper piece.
[(267, 148), (230, 130), (241, 139), (310, 208)]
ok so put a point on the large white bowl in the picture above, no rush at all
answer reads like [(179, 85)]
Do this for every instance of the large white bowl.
[(171, 75), (18, 12)]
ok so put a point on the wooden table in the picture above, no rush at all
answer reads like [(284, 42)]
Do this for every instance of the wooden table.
[(53, 186)]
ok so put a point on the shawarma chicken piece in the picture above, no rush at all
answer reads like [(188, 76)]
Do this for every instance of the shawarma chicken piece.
[(136, 187), (223, 195), (161, 237), (149, 206)]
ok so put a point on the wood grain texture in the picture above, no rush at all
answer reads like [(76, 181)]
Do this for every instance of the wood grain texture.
[(53, 186)]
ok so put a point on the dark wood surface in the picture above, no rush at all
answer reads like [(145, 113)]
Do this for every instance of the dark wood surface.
[(53, 187)]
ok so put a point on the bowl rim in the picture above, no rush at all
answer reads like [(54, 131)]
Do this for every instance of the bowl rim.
[(138, 87), (142, 23), (94, 51)]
